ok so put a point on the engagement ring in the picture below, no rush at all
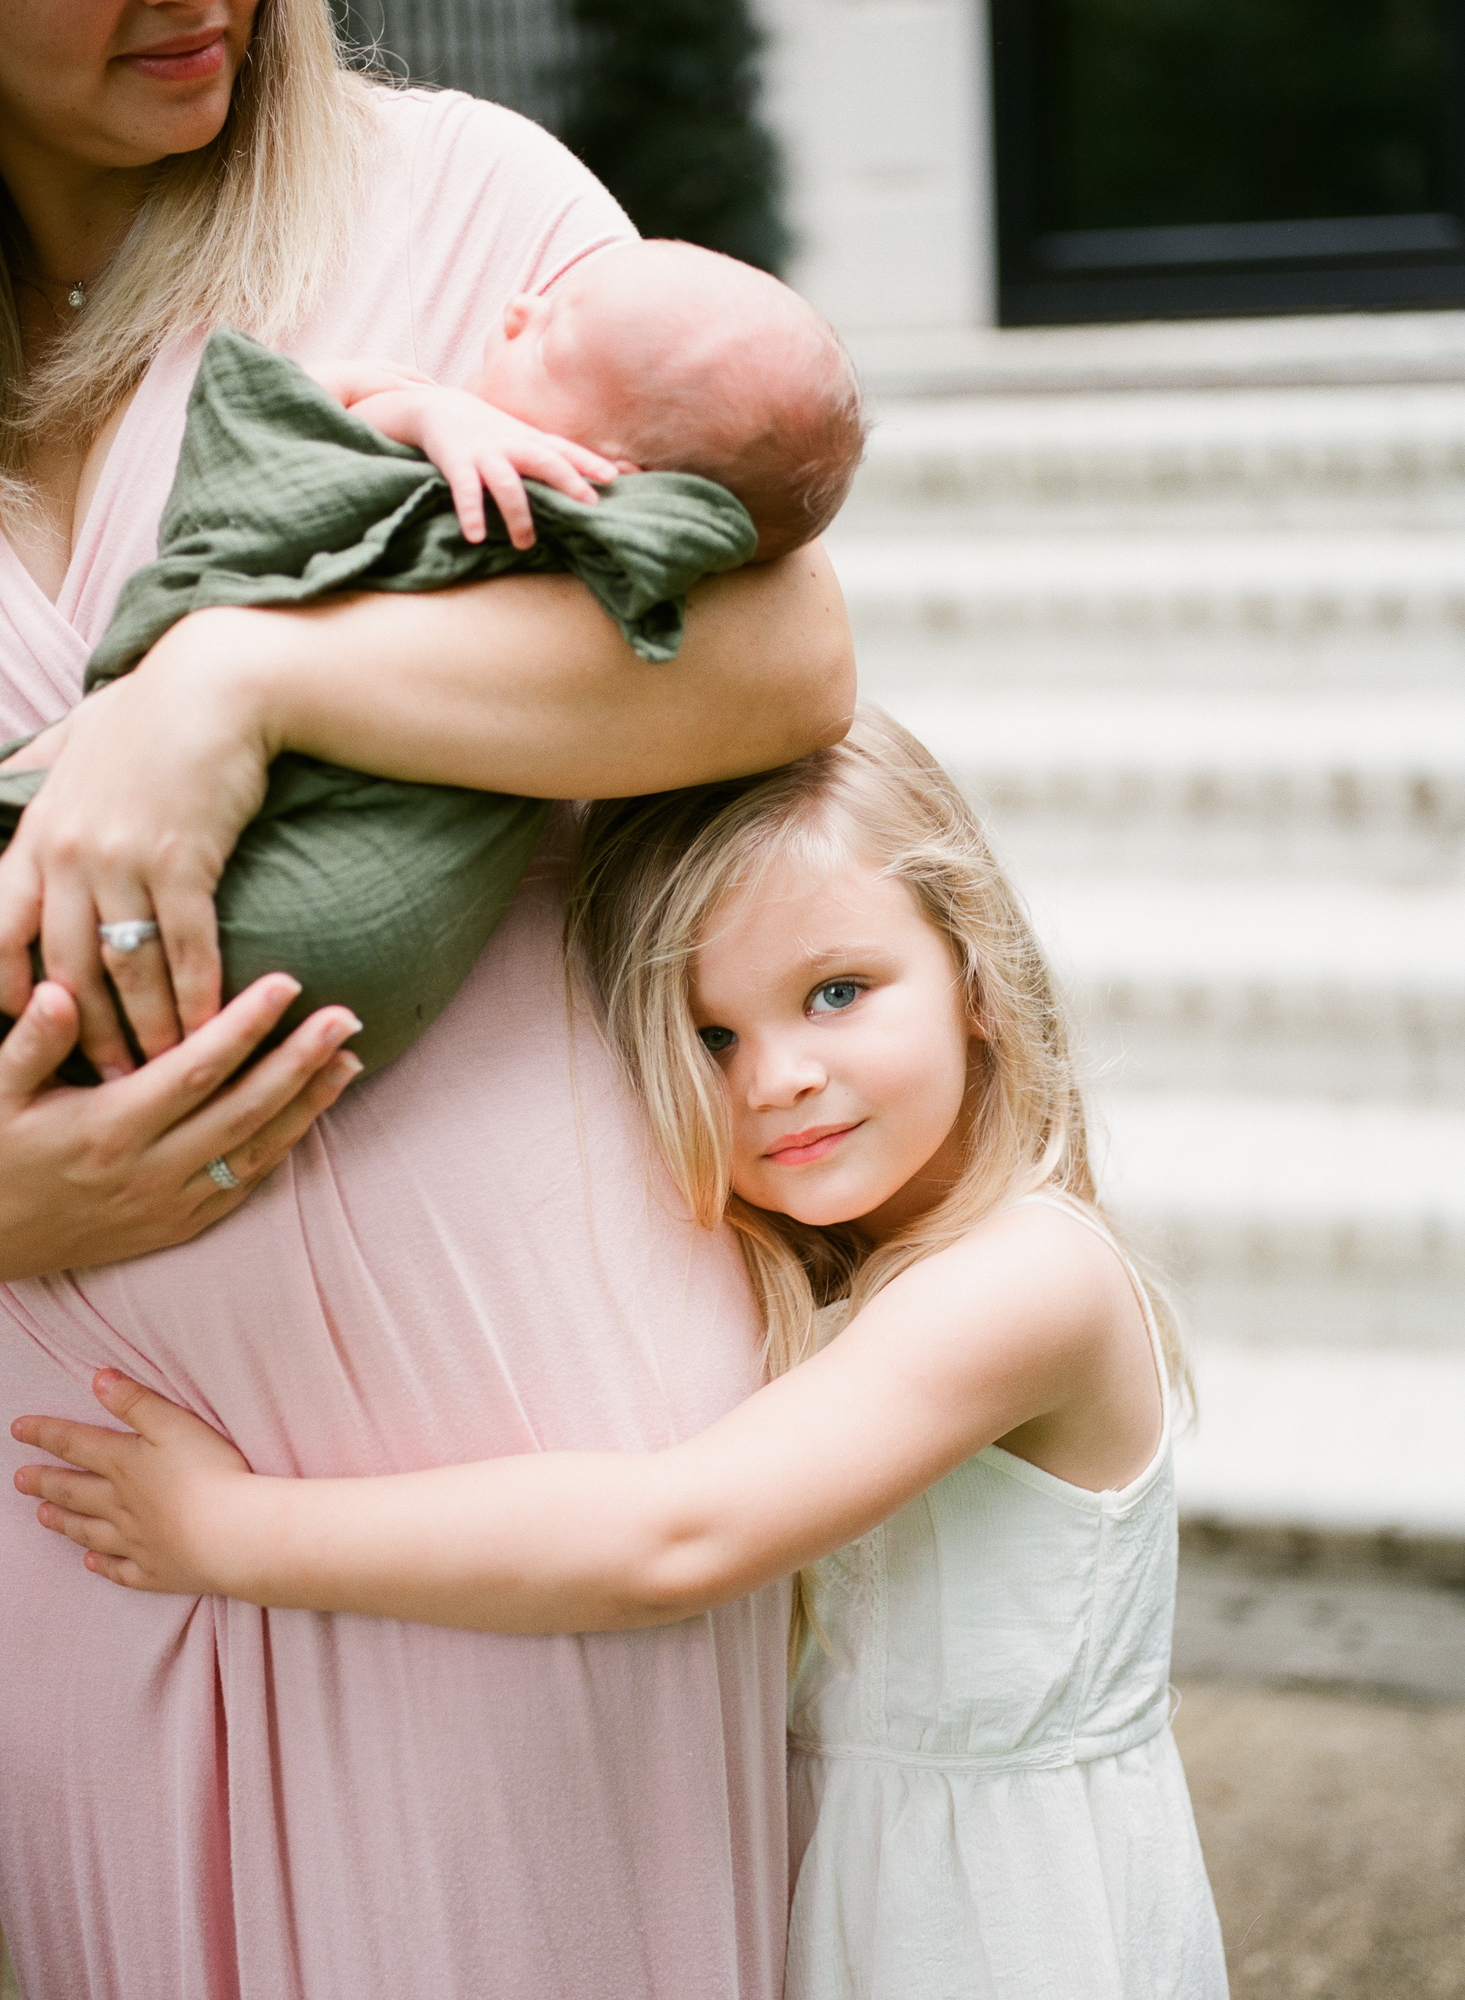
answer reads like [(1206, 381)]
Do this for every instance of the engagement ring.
[(221, 1172), (129, 933)]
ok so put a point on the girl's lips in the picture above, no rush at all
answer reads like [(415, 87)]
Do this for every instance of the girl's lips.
[(182, 60), (810, 1145)]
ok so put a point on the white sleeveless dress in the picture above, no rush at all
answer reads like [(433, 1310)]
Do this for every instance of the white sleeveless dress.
[(986, 1801)]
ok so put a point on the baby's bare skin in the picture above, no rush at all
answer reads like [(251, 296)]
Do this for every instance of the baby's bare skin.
[(649, 357)]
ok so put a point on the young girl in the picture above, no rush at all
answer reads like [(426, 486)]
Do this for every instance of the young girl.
[(847, 1046)]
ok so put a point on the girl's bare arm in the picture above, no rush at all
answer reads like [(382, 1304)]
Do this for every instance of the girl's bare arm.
[(1030, 1321)]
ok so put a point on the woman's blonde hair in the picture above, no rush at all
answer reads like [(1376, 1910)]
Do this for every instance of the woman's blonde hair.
[(242, 230), (651, 873)]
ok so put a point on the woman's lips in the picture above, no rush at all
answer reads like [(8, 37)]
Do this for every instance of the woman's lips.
[(183, 60), (810, 1145)]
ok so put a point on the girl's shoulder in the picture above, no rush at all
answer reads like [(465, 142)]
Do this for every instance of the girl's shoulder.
[(1050, 1255)]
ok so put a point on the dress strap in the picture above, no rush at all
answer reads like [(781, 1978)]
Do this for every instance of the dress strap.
[(1067, 1204)]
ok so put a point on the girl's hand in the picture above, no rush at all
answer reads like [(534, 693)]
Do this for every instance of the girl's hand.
[(153, 1508), (473, 445), (151, 785), (93, 1176)]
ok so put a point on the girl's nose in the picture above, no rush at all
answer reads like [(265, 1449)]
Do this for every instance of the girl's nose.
[(783, 1073)]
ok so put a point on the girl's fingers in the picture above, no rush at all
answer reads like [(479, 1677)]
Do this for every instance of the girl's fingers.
[(88, 1531), (119, 1569), (152, 1416), (82, 1493), (89, 1446), (41, 1040)]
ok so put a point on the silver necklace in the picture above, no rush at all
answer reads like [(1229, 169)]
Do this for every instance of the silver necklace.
[(76, 297)]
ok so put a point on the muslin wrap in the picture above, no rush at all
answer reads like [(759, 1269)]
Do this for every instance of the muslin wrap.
[(373, 893)]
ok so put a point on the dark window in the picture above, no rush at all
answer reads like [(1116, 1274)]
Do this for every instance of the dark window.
[(1172, 157)]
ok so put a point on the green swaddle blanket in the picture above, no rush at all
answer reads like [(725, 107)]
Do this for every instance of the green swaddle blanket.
[(376, 894)]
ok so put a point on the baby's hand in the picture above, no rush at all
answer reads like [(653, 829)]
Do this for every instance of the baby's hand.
[(158, 1507), (474, 445)]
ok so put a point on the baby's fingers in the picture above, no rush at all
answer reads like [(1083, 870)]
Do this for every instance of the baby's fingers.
[(602, 470), (465, 483), (507, 488)]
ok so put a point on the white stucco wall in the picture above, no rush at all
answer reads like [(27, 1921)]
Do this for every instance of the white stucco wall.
[(883, 110)]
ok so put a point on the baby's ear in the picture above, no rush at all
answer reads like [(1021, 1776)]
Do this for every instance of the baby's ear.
[(517, 314)]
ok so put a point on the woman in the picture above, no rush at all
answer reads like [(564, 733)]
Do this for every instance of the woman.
[(208, 1803)]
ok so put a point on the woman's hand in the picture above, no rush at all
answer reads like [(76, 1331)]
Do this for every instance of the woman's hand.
[(93, 1176), (149, 788), (157, 1506)]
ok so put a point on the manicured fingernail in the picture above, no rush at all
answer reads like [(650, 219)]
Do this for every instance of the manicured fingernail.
[(353, 1065), (293, 984)]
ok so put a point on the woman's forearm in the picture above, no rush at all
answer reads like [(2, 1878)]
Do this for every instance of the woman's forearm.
[(524, 684)]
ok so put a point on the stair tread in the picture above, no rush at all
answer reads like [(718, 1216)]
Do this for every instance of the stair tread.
[(1061, 562), (1350, 936), (1281, 1160), (1327, 1438), (1244, 729)]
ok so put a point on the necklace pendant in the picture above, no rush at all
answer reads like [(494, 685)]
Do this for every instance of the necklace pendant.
[(76, 297)]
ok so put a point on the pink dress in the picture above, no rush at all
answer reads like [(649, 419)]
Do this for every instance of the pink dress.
[(472, 1254)]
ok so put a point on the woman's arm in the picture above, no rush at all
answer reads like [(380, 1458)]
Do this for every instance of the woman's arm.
[(520, 685), (1030, 1322)]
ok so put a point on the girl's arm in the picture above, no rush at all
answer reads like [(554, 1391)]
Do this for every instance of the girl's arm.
[(519, 685), (1029, 1324)]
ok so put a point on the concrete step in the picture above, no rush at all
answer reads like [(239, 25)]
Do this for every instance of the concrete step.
[(1199, 781), (1304, 455), (1291, 1221), (1381, 610), (1346, 990), (1327, 1438)]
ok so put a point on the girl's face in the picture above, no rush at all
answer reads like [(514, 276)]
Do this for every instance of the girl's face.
[(117, 84), (838, 1019)]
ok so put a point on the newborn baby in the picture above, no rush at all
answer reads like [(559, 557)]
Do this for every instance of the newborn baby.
[(722, 419), (653, 357)]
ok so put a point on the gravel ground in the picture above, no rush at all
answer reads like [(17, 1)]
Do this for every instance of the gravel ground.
[(1333, 1826)]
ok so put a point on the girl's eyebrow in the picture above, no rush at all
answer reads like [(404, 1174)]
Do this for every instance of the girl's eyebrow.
[(849, 958)]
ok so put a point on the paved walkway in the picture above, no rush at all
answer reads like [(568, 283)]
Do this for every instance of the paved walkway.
[(1322, 1724)]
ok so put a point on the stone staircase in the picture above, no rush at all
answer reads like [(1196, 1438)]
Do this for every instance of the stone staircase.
[(1200, 656)]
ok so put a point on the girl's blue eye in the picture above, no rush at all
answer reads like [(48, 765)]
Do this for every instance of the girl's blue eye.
[(835, 995), (718, 1040)]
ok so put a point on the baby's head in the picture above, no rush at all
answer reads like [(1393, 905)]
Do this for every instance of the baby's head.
[(668, 358)]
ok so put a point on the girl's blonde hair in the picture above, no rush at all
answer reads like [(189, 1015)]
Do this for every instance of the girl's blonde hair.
[(651, 873), (242, 230)]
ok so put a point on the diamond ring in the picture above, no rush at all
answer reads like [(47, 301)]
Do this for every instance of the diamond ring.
[(129, 933), (222, 1174)]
